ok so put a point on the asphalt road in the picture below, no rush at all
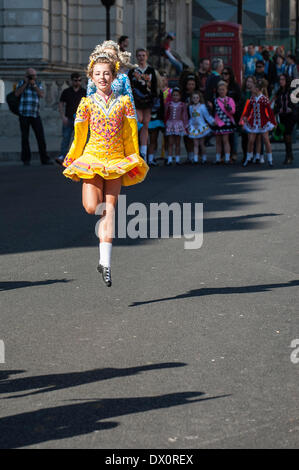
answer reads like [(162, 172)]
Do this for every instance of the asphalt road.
[(188, 349)]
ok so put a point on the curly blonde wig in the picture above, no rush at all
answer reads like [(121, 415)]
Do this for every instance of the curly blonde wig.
[(122, 57), (103, 58)]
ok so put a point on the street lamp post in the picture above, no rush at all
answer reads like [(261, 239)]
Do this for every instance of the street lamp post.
[(108, 4), (240, 11)]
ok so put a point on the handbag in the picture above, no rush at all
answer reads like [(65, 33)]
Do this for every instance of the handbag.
[(13, 102)]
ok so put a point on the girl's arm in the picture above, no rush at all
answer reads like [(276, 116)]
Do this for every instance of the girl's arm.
[(185, 116), (232, 105), (127, 91), (81, 131), (207, 115), (130, 129), (270, 114), (91, 88)]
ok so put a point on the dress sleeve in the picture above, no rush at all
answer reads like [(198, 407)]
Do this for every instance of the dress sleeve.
[(80, 134), (130, 130), (207, 115), (91, 88), (269, 112), (127, 91)]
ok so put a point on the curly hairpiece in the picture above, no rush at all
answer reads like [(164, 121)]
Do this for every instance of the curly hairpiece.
[(123, 57), (102, 57)]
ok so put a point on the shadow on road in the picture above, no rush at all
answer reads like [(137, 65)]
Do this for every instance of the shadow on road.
[(10, 285), (62, 422), (52, 382), (221, 290), (43, 211)]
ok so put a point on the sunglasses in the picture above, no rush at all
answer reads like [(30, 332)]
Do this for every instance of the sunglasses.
[(225, 73), (259, 66), (77, 80)]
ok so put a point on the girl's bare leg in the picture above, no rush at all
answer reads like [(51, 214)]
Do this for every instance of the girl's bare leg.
[(177, 148), (203, 150), (218, 148), (92, 193), (268, 148), (106, 227), (196, 150), (226, 146), (250, 147), (145, 115), (171, 146)]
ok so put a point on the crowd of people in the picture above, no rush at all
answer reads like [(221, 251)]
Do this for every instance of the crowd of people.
[(118, 118), (206, 103)]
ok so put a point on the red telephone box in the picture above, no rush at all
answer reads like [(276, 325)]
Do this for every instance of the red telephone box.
[(224, 40)]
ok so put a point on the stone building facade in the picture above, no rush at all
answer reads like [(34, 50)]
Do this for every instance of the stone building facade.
[(56, 37)]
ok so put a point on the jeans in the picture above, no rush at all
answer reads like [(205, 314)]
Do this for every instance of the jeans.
[(37, 126), (67, 131)]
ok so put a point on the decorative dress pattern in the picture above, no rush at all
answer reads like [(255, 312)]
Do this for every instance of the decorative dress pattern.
[(112, 149), (259, 115), (120, 86), (224, 118), (176, 117), (198, 122)]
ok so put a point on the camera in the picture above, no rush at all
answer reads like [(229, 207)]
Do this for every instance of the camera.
[(31, 77)]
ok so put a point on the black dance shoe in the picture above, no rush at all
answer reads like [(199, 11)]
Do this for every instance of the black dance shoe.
[(106, 274)]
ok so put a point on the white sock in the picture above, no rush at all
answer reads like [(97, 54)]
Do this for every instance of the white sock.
[(262, 160), (105, 254), (249, 156), (143, 150), (190, 156), (169, 159), (269, 157), (227, 157), (257, 157), (150, 158), (218, 157), (177, 159), (204, 158), (195, 158)]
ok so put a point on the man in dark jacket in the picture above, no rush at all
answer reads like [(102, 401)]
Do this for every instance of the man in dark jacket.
[(270, 70), (213, 80)]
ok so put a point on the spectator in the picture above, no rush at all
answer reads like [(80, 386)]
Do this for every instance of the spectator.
[(144, 85), (246, 91), (279, 52), (261, 76), (285, 109), (68, 104), (189, 83), (270, 70), (280, 69), (176, 125), (225, 109), (167, 98), (250, 59), (123, 43), (30, 92), (291, 68), (234, 92), (166, 50), (212, 81), (203, 73), (156, 123)]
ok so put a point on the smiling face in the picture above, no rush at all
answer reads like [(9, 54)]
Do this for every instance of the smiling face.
[(222, 90), (103, 77), (176, 96), (195, 98)]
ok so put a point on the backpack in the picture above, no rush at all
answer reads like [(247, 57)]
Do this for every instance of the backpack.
[(13, 102)]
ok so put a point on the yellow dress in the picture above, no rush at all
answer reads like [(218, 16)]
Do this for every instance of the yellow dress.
[(112, 150)]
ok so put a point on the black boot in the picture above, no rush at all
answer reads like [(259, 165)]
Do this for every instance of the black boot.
[(106, 274), (289, 151)]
